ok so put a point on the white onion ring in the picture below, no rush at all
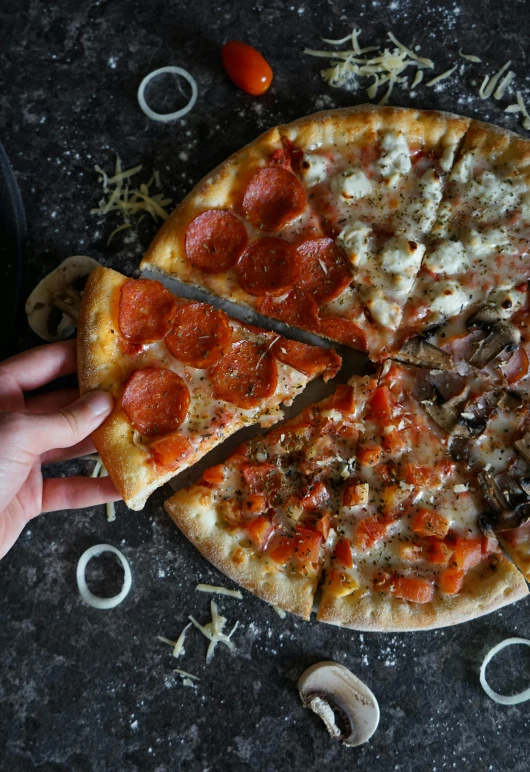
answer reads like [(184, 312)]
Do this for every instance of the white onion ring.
[(514, 699), (95, 600), (164, 117)]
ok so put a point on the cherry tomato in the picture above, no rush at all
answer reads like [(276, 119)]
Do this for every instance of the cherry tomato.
[(246, 67)]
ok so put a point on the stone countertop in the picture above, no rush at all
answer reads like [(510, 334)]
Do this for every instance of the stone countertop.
[(88, 690)]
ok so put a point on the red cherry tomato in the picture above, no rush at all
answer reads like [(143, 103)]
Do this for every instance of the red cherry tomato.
[(246, 67)]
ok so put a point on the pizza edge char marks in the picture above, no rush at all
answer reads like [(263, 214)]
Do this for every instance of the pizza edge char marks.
[(183, 376), (291, 504)]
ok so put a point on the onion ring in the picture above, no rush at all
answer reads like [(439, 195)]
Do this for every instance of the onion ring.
[(95, 600), (165, 117), (502, 699)]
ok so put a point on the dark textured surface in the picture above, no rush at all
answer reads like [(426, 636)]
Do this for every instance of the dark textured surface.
[(91, 690)]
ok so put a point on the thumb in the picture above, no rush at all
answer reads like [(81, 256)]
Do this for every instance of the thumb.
[(69, 425)]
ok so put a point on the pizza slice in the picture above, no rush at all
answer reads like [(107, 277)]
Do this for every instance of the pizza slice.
[(411, 554), (184, 377), (479, 244), (319, 223), (264, 517), (362, 492)]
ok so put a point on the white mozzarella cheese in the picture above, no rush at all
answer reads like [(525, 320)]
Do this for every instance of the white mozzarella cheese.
[(395, 159), (431, 189), (450, 298), (484, 243), (313, 169), (449, 257), (384, 311), (402, 256), (352, 185), (448, 157), (353, 239), (463, 169), (508, 301)]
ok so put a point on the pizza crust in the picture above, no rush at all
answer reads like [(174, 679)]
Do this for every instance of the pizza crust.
[(194, 512), (484, 591)]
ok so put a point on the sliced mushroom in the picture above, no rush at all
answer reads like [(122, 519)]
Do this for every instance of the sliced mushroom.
[(522, 446), (503, 517), (484, 318), (509, 400), (328, 687), (416, 351), (53, 306), (524, 482), (451, 416), (504, 335)]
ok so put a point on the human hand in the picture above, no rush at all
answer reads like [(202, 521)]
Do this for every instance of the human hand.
[(45, 429)]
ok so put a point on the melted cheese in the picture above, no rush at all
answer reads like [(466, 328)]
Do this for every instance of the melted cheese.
[(395, 158), (449, 257), (449, 298), (385, 312), (313, 169), (484, 243), (402, 256), (354, 241), (352, 185)]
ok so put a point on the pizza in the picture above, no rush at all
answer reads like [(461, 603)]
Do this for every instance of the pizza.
[(183, 375), (402, 500), (361, 497)]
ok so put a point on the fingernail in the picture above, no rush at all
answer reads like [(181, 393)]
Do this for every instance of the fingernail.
[(99, 402)]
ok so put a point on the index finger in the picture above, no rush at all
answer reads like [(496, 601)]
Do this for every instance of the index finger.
[(38, 366)]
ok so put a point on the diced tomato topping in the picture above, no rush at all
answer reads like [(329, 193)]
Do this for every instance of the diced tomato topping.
[(283, 550), (344, 399), (307, 545), (369, 531), (255, 503), (437, 552), (264, 478), (467, 552), (214, 475), (517, 366), (451, 580), (428, 523), (392, 499), (171, 451), (395, 441), (348, 432), (317, 495), (355, 493), (381, 580), (339, 584), (422, 476), (239, 455), (413, 589), (323, 525), (260, 530), (343, 552), (381, 404), (369, 455)]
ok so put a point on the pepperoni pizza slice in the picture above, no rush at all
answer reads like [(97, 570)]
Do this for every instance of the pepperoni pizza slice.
[(319, 223), (361, 492), (184, 377), (479, 245)]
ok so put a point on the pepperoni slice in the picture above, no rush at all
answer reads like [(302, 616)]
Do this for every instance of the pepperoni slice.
[(298, 309), (200, 336), (343, 331), (309, 360), (146, 311), (274, 196), (215, 240), (324, 271), (269, 267), (245, 376), (155, 400)]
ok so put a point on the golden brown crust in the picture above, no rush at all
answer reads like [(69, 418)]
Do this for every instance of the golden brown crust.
[(362, 124), (500, 147), (484, 591), (518, 549), (101, 365), (197, 516)]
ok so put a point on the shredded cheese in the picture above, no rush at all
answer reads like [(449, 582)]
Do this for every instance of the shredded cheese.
[(185, 674), (178, 645), (489, 83), (219, 590), (503, 85), (384, 69), (520, 107), (214, 631), (130, 201), (470, 57), (281, 613), (443, 76)]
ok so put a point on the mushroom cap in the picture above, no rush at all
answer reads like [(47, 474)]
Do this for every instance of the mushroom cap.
[(328, 686), (417, 351), (56, 291)]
